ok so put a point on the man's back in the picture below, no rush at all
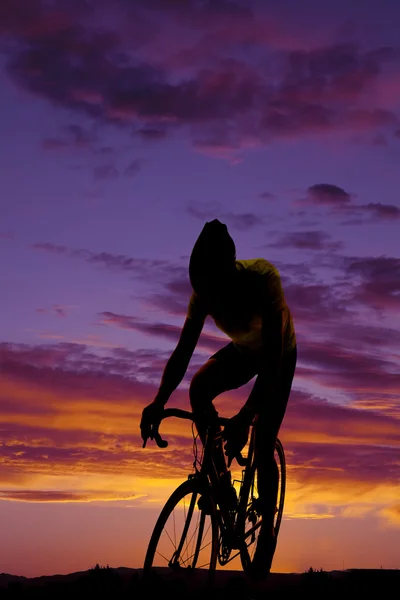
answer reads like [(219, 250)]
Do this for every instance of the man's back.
[(238, 311)]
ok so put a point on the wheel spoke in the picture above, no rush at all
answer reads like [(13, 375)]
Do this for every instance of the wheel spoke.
[(184, 535)]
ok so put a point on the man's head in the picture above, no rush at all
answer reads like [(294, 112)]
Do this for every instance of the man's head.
[(212, 261)]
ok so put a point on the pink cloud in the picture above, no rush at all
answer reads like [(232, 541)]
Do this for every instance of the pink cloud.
[(164, 330), (380, 281), (48, 380), (226, 104), (59, 311)]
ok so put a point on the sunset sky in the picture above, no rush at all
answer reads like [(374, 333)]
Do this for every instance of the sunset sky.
[(126, 125)]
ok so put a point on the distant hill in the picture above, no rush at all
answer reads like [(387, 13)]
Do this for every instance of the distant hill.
[(122, 582)]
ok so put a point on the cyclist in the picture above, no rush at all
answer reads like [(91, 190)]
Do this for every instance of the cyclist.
[(246, 300)]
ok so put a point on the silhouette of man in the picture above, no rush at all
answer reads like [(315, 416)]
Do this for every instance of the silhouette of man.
[(246, 300)]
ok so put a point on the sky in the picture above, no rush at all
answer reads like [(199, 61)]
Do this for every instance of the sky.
[(125, 126)]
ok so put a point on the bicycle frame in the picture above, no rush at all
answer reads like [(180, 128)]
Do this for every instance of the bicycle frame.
[(231, 525), (228, 529)]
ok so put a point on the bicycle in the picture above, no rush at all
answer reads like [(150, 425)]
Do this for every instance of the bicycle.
[(196, 529)]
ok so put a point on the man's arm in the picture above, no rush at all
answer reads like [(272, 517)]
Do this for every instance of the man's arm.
[(178, 362)]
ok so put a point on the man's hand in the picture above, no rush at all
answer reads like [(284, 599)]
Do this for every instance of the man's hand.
[(151, 418), (236, 433)]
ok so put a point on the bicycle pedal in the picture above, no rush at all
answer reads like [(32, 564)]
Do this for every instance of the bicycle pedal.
[(232, 540)]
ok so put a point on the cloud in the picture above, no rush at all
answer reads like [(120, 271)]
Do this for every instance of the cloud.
[(60, 496), (341, 203), (206, 211), (219, 96), (237, 221), (133, 168), (381, 211), (56, 309), (105, 172), (267, 196), (152, 133), (54, 144), (306, 240), (243, 221), (360, 284), (315, 461), (76, 138), (393, 513), (328, 194), (164, 330), (378, 284), (349, 369), (74, 415), (119, 262), (53, 248)]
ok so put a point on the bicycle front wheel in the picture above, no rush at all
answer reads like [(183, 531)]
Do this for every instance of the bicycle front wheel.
[(185, 537)]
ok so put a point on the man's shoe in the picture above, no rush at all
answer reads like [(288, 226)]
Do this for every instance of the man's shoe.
[(205, 503)]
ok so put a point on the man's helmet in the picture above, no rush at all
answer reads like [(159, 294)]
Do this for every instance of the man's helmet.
[(213, 256)]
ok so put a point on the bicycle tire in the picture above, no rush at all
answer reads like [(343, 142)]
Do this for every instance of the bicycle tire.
[(249, 517), (188, 550), (282, 485)]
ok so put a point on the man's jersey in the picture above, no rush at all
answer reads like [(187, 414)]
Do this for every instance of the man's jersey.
[(239, 315)]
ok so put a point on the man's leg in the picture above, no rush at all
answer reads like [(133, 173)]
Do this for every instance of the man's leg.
[(267, 429), (225, 370)]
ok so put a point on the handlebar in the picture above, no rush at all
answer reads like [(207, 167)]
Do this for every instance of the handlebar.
[(186, 414)]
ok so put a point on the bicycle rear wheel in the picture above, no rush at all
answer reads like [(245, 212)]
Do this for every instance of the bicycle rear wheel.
[(185, 537), (281, 462), (249, 513)]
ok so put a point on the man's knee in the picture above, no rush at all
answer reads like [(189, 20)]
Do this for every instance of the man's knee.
[(199, 394)]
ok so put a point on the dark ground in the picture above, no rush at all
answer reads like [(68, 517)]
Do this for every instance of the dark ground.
[(123, 583)]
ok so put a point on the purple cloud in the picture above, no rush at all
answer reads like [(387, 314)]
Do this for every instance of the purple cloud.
[(239, 222), (133, 168), (59, 311), (340, 203), (379, 285), (76, 138), (382, 211), (165, 330), (152, 133), (54, 144), (105, 172), (53, 248), (267, 196), (138, 266), (328, 194), (225, 102), (306, 240)]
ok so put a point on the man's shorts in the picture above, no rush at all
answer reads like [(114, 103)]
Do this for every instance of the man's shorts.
[(243, 366)]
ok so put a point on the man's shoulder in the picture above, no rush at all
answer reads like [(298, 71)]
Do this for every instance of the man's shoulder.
[(257, 265)]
